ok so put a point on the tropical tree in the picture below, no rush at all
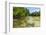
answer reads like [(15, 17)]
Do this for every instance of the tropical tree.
[(20, 12)]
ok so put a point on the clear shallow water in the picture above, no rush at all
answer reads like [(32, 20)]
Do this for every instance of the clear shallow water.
[(34, 20), (27, 22)]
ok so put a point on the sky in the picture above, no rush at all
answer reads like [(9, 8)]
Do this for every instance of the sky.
[(33, 9)]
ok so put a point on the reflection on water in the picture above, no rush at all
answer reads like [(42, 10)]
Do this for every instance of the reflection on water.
[(26, 22)]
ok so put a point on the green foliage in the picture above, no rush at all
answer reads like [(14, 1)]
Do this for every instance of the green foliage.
[(20, 12), (35, 14), (20, 17)]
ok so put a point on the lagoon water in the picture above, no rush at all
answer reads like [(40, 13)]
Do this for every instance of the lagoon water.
[(34, 20), (30, 22)]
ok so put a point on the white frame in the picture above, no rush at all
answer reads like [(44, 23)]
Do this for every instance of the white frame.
[(10, 14)]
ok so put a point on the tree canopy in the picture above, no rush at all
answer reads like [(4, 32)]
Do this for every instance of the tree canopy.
[(19, 12)]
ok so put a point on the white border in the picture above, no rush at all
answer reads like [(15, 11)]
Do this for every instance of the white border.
[(10, 14)]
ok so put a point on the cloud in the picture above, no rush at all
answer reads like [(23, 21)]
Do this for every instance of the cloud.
[(33, 9)]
